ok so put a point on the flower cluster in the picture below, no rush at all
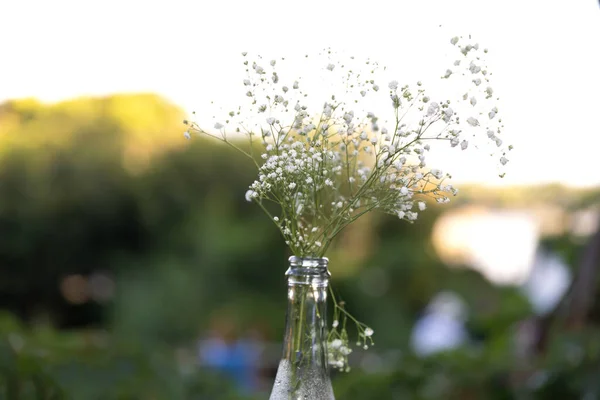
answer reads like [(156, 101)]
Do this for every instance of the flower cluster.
[(322, 167), (338, 342), (325, 169)]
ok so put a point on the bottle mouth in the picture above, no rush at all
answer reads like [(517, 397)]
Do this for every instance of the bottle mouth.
[(308, 262), (308, 271)]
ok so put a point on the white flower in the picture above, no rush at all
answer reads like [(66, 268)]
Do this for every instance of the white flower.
[(464, 144), (473, 101), (477, 81), (376, 88), (472, 121), (335, 344), (401, 214), (246, 82), (374, 140), (454, 142), (218, 125), (454, 40), (273, 63), (309, 180), (393, 85), (335, 323), (271, 120), (295, 86), (474, 68), (437, 173), (433, 109), (187, 135), (250, 194), (503, 160), (447, 74), (422, 205), (339, 204), (498, 142), (292, 185), (404, 190), (276, 219), (328, 182), (330, 67), (489, 92), (369, 332), (448, 113), (493, 113), (348, 117)]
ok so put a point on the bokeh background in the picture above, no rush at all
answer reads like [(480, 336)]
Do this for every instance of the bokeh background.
[(131, 267)]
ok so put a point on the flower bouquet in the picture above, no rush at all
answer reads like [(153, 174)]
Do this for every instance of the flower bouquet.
[(321, 169)]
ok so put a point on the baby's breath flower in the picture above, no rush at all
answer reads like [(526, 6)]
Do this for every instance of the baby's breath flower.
[(433, 109), (472, 121), (251, 194), (324, 168)]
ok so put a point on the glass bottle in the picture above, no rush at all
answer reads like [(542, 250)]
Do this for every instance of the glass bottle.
[(303, 370)]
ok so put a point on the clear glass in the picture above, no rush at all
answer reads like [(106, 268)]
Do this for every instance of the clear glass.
[(303, 370)]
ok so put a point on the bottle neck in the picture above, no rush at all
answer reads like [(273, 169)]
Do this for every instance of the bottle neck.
[(303, 372), (305, 342)]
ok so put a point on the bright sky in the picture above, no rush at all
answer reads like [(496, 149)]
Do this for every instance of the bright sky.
[(543, 53)]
